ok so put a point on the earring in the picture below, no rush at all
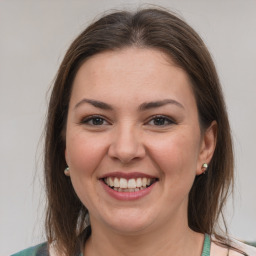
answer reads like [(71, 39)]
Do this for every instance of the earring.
[(66, 171), (204, 167)]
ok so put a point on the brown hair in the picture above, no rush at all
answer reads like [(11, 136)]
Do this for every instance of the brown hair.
[(150, 28)]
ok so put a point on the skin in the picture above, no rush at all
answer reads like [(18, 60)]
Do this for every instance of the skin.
[(127, 139)]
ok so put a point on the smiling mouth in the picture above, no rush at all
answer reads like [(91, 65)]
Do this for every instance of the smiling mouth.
[(129, 185)]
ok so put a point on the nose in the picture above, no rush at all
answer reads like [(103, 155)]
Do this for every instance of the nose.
[(126, 145)]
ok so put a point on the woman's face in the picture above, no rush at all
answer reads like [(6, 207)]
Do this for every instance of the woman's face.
[(133, 141)]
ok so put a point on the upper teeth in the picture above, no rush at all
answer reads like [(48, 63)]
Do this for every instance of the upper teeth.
[(130, 183)]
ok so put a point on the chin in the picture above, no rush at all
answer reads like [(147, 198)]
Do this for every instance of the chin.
[(130, 228), (129, 222)]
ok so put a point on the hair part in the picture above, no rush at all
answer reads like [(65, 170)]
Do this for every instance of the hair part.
[(146, 28)]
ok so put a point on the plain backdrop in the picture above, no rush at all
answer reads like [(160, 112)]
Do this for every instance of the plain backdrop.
[(34, 36)]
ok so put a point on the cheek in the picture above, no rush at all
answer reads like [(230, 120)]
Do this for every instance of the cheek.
[(84, 153), (176, 156)]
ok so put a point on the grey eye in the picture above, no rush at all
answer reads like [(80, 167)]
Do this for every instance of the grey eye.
[(160, 121), (95, 121)]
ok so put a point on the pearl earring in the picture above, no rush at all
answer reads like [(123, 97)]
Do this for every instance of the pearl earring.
[(204, 167), (66, 171)]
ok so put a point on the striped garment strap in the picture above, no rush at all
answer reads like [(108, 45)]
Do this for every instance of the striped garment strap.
[(207, 245)]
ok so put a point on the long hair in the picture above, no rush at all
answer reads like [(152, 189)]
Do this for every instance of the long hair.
[(146, 28)]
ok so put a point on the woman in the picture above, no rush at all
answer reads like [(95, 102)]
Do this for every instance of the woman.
[(138, 125)]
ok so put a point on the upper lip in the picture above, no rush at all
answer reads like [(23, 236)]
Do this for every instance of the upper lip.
[(127, 175)]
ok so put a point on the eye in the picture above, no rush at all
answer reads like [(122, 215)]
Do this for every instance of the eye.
[(160, 121), (95, 121)]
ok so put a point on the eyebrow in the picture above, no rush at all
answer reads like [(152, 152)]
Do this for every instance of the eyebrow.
[(95, 103), (142, 107), (160, 103)]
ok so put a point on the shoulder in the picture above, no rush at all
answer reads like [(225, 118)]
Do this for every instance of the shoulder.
[(217, 250), (38, 250)]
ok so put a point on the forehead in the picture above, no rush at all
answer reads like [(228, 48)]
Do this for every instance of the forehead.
[(131, 72), (129, 59)]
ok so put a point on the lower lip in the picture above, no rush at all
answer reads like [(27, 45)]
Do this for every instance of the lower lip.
[(126, 196)]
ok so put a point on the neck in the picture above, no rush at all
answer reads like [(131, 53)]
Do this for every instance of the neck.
[(175, 240)]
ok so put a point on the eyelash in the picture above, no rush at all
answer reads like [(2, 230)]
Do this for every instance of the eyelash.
[(94, 118), (163, 119)]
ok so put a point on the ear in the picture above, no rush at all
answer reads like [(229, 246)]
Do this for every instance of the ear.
[(66, 157), (207, 148)]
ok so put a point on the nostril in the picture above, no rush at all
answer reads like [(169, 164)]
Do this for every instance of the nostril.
[(126, 146)]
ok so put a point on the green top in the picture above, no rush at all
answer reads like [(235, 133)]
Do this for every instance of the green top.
[(38, 250), (207, 245), (42, 249)]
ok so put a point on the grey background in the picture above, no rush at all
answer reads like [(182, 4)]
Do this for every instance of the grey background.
[(34, 36)]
